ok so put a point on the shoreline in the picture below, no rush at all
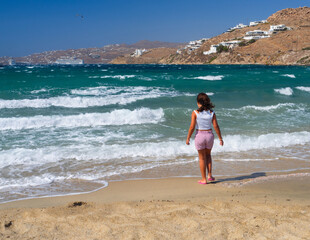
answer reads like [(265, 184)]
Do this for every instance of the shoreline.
[(276, 206), (223, 182), (267, 174)]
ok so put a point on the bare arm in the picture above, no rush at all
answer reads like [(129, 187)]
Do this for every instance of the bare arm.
[(191, 127), (217, 129)]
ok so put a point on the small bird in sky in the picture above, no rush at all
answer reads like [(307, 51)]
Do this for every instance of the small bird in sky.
[(80, 16)]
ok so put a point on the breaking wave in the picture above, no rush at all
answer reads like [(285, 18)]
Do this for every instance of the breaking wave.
[(210, 77), (285, 91), (155, 150), (39, 91), (94, 96), (306, 89), (121, 77), (289, 75), (268, 108), (116, 117)]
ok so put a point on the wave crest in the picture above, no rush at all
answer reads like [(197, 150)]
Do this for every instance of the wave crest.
[(93, 96), (210, 77), (285, 91), (116, 117), (289, 75), (306, 89)]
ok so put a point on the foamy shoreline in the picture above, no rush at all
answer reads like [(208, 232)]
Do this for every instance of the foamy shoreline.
[(273, 206), (238, 181)]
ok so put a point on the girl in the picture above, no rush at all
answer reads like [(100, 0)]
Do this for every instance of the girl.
[(204, 138)]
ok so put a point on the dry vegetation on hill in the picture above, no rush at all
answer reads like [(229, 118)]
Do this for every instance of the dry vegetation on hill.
[(152, 56)]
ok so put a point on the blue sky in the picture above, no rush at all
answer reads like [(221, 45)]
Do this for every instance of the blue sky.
[(34, 26)]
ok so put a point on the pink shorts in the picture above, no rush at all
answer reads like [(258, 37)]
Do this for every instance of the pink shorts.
[(204, 139)]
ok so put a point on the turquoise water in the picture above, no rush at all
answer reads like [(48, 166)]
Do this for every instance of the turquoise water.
[(69, 129)]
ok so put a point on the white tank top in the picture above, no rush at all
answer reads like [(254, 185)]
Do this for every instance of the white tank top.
[(204, 120)]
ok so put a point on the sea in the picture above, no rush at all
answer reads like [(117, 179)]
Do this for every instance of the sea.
[(73, 129)]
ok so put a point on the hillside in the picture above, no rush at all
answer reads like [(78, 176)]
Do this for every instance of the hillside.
[(283, 48), (93, 55), (151, 56)]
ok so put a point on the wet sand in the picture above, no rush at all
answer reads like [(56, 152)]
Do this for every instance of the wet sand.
[(239, 207)]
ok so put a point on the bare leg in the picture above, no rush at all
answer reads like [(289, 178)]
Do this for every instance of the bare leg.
[(209, 162), (202, 164)]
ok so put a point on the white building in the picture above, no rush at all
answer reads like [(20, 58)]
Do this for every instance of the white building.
[(229, 44), (11, 62), (276, 28), (212, 50), (69, 61), (239, 26), (138, 52), (192, 45), (256, 34), (254, 23)]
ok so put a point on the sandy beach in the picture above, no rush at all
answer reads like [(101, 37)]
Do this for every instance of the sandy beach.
[(242, 207)]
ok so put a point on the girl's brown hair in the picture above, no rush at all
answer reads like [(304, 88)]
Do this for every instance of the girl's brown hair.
[(205, 102)]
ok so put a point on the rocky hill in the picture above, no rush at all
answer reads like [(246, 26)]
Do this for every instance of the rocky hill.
[(151, 56), (283, 48), (95, 55)]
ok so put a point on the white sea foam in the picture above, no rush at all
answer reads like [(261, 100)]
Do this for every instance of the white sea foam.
[(116, 117), (121, 77), (289, 75), (306, 89), (237, 143), (18, 184), (210, 77), (105, 96), (104, 161), (39, 91), (123, 91), (30, 181), (210, 93), (148, 151), (285, 91), (268, 108)]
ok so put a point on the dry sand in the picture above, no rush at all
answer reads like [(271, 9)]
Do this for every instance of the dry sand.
[(250, 207)]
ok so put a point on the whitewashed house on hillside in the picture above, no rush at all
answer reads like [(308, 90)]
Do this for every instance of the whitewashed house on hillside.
[(212, 49), (138, 52), (277, 28), (192, 45), (256, 34), (229, 44), (254, 23), (239, 26)]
